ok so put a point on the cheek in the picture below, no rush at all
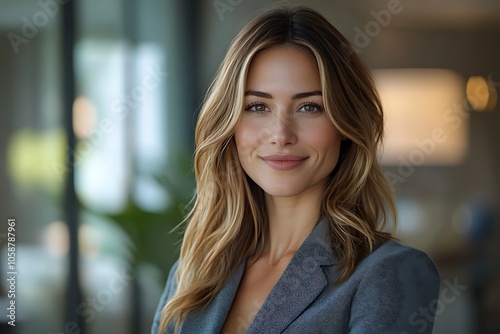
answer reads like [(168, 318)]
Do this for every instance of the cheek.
[(247, 135), (241, 137), (243, 141), (325, 138), (326, 141)]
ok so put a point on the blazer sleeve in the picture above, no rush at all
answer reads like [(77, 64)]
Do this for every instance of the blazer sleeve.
[(398, 293), (168, 292)]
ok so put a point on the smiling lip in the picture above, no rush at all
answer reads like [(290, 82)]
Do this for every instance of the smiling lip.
[(284, 162)]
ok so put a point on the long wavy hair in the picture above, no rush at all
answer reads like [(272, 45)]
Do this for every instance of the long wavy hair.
[(228, 221)]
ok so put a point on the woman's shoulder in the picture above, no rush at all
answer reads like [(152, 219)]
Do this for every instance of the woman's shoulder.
[(393, 260), (393, 254)]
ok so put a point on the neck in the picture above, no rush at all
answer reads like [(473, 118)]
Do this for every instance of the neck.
[(291, 220)]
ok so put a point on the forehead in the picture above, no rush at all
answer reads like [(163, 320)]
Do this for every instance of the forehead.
[(283, 67)]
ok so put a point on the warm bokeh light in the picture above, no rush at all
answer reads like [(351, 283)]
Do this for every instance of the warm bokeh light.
[(480, 94), (84, 117), (426, 122), (89, 240), (56, 238)]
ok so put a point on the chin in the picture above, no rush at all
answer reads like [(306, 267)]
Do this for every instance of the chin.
[(280, 191)]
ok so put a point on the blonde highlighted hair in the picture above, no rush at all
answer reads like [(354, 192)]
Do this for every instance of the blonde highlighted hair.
[(228, 221)]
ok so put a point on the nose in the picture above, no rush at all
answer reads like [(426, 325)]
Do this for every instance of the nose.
[(282, 130)]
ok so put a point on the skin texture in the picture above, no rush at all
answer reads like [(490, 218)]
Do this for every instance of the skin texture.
[(284, 115)]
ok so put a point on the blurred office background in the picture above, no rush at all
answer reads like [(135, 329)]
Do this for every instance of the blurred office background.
[(95, 195)]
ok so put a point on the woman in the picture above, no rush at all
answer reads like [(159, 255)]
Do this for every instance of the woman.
[(285, 235)]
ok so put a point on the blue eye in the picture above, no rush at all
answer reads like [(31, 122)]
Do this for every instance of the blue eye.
[(257, 107), (311, 108)]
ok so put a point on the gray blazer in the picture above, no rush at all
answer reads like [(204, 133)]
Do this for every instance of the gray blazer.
[(393, 290)]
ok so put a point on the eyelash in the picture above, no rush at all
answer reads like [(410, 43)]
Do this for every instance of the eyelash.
[(251, 105), (313, 104)]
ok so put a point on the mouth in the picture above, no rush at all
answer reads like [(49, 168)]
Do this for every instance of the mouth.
[(284, 162)]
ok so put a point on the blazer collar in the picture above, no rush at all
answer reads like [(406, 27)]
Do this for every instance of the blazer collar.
[(302, 281)]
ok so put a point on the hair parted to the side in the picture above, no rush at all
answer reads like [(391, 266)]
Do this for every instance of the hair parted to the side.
[(228, 221)]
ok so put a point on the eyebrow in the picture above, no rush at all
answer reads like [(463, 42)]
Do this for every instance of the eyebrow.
[(297, 96)]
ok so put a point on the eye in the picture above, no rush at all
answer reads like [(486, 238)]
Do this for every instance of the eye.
[(257, 107), (311, 108)]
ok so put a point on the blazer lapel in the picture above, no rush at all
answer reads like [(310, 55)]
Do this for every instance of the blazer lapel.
[(211, 319), (300, 284)]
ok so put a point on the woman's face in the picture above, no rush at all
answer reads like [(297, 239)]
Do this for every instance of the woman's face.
[(285, 142)]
